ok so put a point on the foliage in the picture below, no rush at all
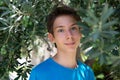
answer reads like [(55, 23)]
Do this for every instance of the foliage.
[(22, 20), (101, 34)]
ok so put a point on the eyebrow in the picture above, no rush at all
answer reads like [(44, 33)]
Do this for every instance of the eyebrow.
[(58, 27), (62, 26), (74, 24)]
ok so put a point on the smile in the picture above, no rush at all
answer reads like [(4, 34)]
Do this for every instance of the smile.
[(72, 43)]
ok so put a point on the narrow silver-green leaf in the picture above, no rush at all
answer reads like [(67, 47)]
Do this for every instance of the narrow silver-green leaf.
[(107, 12), (3, 28), (18, 19), (109, 24), (4, 21), (4, 8), (14, 15), (89, 21), (6, 13), (13, 8), (92, 15), (104, 11), (110, 32)]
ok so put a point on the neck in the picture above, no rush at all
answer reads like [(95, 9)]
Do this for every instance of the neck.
[(66, 59)]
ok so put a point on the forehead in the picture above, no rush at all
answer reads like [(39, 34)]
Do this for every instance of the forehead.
[(64, 20)]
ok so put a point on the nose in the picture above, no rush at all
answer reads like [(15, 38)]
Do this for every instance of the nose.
[(69, 34)]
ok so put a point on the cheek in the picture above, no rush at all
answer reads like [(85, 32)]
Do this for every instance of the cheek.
[(60, 35), (58, 38), (78, 36)]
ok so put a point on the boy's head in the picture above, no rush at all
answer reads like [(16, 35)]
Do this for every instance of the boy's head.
[(59, 11)]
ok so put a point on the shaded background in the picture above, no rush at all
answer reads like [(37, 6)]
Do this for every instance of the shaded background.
[(23, 41)]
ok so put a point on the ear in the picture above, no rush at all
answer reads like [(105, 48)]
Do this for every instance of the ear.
[(51, 37)]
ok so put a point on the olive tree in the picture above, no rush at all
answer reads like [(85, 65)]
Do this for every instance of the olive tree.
[(22, 21)]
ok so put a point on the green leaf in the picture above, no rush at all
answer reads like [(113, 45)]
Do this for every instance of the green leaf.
[(109, 24), (4, 21), (106, 36), (18, 2), (4, 8), (7, 2), (93, 17), (3, 50), (106, 13), (112, 33), (6, 13), (115, 60), (93, 53), (102, 59), (19, 18), (84, 28), (100, 76), (3, 28), (89, 21), (109, 47), (13, 8), (28, 8), (95, 35), (13, 16)]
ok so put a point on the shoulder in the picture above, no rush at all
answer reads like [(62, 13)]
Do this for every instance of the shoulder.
[(42, 65), (40, 70), (83, 66), (87, 70)]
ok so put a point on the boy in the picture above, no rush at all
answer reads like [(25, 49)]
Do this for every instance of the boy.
[(64, 32)]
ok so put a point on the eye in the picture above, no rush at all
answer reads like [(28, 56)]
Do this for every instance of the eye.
[(74, 28), (60, 30)]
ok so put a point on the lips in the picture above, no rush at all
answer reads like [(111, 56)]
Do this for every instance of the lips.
[(71, 43)]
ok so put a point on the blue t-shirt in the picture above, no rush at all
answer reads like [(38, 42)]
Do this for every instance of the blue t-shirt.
[(51, 70)]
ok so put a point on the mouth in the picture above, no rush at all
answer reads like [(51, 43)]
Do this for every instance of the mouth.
[(71, 43)]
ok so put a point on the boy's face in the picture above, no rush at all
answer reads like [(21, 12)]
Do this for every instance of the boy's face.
[(66, 33)]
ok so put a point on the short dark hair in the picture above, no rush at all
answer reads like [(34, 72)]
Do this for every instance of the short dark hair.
[(58, 11)]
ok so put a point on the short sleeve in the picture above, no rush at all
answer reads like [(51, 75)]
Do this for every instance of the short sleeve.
[(90, 74), (33, 75)]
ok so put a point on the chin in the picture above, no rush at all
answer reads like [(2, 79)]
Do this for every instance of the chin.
[(71, 50)]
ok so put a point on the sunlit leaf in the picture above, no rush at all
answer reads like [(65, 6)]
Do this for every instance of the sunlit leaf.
[(3, 28), (100, 76), (14, 15), (4, 21), (22, 20), (19, 18)]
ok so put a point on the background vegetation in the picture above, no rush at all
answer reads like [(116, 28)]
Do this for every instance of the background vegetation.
[(22, 20)]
